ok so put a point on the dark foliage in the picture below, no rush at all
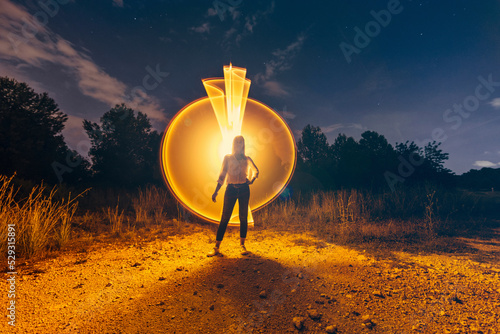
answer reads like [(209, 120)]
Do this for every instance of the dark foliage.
[(124, 149), (485, 179), (31, 142), (366, 164)]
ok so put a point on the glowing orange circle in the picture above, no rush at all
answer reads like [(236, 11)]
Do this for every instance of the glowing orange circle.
[(191, 158)]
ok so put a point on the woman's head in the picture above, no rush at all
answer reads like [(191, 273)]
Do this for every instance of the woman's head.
[(239, 145)]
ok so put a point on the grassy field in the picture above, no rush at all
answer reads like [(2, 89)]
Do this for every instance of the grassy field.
[(422, 259), (423, 216)]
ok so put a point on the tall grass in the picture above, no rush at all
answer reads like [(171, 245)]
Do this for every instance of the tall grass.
[(40, 221), (150, 205), (354, 215), (115, 217), (7, 207)]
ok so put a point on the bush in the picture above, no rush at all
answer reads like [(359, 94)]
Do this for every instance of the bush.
[(39, 220), (424, 211)]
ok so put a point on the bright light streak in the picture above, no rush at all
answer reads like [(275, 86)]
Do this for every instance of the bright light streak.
[(199, 136), (228, 97)]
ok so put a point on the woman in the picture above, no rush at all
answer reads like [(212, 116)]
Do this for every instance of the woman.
[(236, 167)]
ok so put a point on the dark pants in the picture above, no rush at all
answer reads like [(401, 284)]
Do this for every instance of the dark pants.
[(242, 194)]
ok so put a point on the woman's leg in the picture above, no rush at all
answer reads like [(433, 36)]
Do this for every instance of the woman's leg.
[(229, 201), (243, 199)]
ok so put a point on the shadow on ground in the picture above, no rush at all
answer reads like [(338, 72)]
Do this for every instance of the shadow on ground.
[(236, 295)]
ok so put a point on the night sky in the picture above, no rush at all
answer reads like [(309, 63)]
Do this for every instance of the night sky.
[(425, 69)]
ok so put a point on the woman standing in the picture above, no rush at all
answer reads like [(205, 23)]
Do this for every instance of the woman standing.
[(236, 168)]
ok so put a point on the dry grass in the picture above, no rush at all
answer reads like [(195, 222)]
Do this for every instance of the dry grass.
[(149, 205), (353, 216), (125, 213), (7, 206), (40, 221), (115, 218), (344, 216)]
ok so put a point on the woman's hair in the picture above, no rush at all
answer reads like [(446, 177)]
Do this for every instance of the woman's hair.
[(239, 139)]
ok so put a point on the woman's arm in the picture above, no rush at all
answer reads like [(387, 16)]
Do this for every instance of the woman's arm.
[(223, 171), (222, 177), (255, 171), (214, 196)]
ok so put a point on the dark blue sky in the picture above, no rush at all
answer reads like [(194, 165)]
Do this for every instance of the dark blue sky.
[(423, 74)]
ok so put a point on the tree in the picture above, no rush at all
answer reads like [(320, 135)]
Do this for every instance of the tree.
[(486, 179), (427, 163), (312, 170), (379, 156), (409, 151), (124, 149), (435, 157), (348, 161), (30, 133), (313, 145), (372, 142)]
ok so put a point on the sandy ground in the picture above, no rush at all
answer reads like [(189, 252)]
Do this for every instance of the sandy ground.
[(167, 285)]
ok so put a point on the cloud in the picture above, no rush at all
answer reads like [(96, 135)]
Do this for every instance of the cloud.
[(331, 128), (291, 49), (222, 11), (211, 12), (22, 51), (288, 114), (235, 14), (484, 163), (245, 26), (281, 60), (280, 63), (490, 152), (180, 101), (75, 135), (204, 28), (118, 3), (252, 21), (495, 103), (230, 33), (337, 126), (274, 88)]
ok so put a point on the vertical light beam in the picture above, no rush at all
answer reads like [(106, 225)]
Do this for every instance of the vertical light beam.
[(229, 97)]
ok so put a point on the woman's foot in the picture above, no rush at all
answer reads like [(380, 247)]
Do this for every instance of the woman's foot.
[(243, 250), (214, 252)]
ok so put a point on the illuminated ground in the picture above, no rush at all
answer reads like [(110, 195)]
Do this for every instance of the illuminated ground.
[(168, 285)]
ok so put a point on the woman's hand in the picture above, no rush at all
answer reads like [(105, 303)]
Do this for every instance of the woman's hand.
[(214, 196)]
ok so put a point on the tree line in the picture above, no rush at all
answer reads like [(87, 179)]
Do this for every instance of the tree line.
[(370, 163), (124, 151), (123, 146)]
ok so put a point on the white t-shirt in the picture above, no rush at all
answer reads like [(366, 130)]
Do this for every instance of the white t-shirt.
[(236, 170)]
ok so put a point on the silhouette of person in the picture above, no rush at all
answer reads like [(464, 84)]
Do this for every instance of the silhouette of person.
[(235, 169)]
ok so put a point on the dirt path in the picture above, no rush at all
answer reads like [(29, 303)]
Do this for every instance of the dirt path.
[(169, 286)]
